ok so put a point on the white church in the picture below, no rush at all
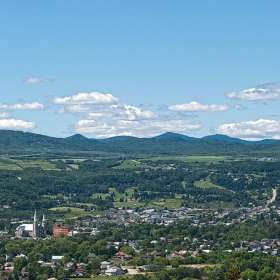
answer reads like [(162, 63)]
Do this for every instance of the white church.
[(34, 230)]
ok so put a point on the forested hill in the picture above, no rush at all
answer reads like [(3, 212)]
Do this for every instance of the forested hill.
[(168, 144)]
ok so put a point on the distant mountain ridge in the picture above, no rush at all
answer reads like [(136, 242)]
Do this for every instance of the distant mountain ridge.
[(166, 135), (237, 140), (167, 144)]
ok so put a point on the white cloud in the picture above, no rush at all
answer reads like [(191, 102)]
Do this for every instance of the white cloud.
[(240, 107), (112, 112), (25, 106), (260, 129), (12, 124), (5, 115), (33, 80), (95, 98), (127, 112), (4, 106), (197, 107), (144, 128), (270, 91)]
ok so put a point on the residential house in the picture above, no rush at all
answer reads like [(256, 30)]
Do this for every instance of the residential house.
[(105, 265), (123, 256), (174, 255), (91, 256), (113, 271)]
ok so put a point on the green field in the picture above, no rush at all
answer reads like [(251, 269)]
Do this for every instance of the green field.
[(71, 212), (132, 164), (45, 165), (206, 184)]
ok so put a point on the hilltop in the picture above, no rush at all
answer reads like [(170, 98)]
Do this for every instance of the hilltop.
[(167, 144)]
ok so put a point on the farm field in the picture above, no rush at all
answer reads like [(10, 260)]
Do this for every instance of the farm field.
[(206, 184)]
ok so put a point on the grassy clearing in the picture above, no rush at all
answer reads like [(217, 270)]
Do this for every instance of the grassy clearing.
[(207, 184), (71, 212), (129, 204), (131, 164), (10, 167), (74, 166), (126, 197), (45, 165), (261, 175), (97, 195)]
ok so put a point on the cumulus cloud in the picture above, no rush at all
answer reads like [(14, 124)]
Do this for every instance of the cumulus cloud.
[(197, 107), (112, 112), (260, 129), (35, 80), (270, 91), (132, 113), (25, 106), (240, 107), (12, 124), (95, 98), (144, 128), (5, 115)]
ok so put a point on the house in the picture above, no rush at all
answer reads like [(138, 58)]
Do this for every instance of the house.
[(79, 271), (113, 271), (56, 259), (105, 265), (151, 254), (265, 241), (123, 256), (174, 255), (255, 245), (91, 256)]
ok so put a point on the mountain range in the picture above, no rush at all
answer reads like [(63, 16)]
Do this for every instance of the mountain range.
[(167, 144)]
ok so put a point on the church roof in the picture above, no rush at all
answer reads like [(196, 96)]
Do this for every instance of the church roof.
[(26, 227)]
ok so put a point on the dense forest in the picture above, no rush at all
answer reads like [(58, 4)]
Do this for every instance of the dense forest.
[(192, 183)]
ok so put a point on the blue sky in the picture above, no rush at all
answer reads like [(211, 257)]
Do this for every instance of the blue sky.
[(103, 68)]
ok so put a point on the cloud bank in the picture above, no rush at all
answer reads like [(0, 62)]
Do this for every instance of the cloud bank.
[(252, 130), (95, 98), (25, 106), (12, 124), (197, 107), (103, 116), (270, 91), (145, 128)]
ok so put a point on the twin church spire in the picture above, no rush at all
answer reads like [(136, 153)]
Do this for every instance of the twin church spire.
[(39, 230)]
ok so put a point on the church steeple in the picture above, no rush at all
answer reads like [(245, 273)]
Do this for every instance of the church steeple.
[(44, 225), (35, 225)]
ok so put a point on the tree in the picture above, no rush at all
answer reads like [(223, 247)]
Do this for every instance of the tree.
[(19, 263), (232, 273), (174, 263), (249, 274)]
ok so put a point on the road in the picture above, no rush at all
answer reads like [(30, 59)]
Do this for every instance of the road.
[(274, 194)]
